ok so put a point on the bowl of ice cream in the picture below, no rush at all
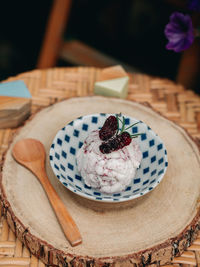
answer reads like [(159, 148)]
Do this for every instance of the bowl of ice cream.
[(116, 162)]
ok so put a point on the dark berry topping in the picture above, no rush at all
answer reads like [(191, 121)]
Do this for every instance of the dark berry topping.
[(115, 143), (126, 138), (109, 128), (109, 134), (105, 148)]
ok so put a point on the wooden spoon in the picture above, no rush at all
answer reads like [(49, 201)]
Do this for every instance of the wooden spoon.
[(31, 154)]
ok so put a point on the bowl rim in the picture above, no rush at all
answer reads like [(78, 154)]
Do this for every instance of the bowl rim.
[(110, 198)]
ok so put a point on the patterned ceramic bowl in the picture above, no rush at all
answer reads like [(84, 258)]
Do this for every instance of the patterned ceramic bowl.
[(70, 139)]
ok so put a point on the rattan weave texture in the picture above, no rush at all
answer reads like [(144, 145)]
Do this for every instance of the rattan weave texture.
[(52, 85)]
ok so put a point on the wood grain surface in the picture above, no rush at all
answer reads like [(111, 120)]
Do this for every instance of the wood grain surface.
[(13, 111)]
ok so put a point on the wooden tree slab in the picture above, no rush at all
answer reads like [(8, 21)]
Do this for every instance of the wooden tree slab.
[(153, 229)]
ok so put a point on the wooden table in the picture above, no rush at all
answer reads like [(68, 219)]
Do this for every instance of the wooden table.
[(52, 85)]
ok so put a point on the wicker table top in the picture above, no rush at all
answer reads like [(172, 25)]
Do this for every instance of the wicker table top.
[(52, 85)]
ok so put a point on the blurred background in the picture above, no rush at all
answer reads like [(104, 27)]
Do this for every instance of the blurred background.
[(98, 32)]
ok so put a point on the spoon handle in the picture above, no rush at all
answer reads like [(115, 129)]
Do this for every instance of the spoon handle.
[(67, 223)]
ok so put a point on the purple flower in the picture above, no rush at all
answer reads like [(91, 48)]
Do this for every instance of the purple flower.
[(179, 32), (194, 5)]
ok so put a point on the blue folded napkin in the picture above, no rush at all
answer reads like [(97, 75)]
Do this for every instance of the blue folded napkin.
[(14, 89)]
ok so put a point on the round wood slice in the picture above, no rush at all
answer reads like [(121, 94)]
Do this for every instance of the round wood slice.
[(152, 229)]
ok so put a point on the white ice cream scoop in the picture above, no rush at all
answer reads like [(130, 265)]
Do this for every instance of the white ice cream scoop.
[(109, 173)]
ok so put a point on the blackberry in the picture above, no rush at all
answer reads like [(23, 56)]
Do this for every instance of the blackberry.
[(115, 143), (109, 128), (109, 134), (126, 138)]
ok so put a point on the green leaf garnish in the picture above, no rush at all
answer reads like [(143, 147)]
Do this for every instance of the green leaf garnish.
[(123, 125), (136, 135), (123, 129), (132, 125)]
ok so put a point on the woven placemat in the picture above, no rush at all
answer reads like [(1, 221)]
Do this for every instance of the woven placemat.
[(52, 85)]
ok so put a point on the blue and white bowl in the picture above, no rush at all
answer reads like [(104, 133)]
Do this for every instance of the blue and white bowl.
[(69, 140)]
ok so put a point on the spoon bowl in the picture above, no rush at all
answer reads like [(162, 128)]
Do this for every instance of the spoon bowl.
[(22, 153)]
